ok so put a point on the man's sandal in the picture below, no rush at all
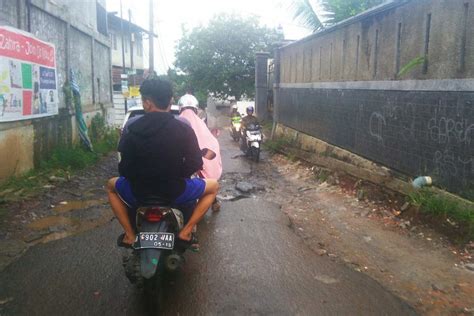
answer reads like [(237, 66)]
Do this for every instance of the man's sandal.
[(122, 244), (192, 244)]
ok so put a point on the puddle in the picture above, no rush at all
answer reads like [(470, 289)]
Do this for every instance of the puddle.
[(76, 205), (56, 236), (326, 279), (61, 226), (76, 226), (45, 223)]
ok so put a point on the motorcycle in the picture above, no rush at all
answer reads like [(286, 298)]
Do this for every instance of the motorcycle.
[(157, 252), (235, 129), (253, 141)]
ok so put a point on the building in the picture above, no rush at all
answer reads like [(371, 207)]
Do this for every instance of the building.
[(79, 32), (133, 50)]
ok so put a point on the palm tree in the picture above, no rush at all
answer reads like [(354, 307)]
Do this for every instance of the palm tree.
[(332, 11), (304, 12)]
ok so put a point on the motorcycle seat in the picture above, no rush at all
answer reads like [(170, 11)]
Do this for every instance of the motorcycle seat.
[(154, 200)]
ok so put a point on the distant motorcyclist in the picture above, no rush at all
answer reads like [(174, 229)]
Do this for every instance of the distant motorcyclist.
[(249, 119), (235, 116)]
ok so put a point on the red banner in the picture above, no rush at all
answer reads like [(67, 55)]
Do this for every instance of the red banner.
[(22, 47)]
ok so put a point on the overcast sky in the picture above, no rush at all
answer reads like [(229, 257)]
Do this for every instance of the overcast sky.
[(170, 15)]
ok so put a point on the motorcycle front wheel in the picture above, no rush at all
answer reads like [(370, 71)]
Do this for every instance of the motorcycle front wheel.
[(255, 153)]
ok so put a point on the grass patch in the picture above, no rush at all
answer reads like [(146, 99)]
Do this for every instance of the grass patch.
[(63, 161), (292, 157), (322, 175), (444, 208), (276, 145)]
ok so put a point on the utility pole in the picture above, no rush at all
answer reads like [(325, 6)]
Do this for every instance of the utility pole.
[(124, 71), (132, 39), (151, 69)]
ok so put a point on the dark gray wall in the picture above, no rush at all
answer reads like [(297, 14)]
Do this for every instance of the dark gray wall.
[(418, 133)]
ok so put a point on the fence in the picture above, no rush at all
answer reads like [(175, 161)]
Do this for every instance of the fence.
[(342, 86)]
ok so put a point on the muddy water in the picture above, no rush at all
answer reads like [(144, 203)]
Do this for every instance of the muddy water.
[(69, 225), (68, 206), (46, 222)]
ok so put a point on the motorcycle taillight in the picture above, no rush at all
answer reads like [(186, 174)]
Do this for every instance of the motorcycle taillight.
[(153, 214)]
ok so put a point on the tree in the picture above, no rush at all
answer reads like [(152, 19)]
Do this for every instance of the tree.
[(331, 12), (220, 58), (343, 9), (304, 12)]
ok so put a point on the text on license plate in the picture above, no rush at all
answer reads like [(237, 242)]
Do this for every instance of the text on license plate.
[(157, 240)]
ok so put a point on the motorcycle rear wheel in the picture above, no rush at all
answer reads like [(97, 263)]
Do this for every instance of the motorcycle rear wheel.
[(153, 293)]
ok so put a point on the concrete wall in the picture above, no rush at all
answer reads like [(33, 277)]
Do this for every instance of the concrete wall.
[(72, 27), (340, 85), (102, 72), (9, 13)]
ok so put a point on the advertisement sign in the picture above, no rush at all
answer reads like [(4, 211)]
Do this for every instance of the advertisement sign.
[(28, 76), (135, 91)]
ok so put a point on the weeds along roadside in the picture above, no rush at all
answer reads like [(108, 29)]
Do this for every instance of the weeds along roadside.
[(63, 162), (439, 209)]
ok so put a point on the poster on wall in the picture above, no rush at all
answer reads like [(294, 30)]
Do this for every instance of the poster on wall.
[(28, 76)]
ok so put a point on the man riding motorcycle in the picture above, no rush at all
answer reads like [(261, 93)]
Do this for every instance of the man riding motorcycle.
[(248, 120), (158, 155), (235, 116)]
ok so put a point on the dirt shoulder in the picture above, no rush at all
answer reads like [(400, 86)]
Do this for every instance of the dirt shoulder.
[(66, 207), (370, 235)]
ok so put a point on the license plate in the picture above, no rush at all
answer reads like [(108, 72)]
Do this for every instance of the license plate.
[(157, 240)]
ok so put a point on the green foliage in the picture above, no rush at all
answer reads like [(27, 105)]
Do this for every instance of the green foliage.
[(344, 9), (332, 11), (322, 175), (220, 58), (440, 206), (98, 128), (411, 65), (179, 81), (304, 13), (276, 145)]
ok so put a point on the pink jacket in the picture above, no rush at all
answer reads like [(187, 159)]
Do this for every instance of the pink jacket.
[(212, 169)]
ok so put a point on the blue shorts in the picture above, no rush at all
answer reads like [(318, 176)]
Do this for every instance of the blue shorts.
[(193, 191)]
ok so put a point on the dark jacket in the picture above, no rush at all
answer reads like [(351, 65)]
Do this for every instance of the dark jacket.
[(158, 152), (248, 120)]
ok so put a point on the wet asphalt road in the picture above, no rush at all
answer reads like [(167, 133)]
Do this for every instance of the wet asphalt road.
[(251, 263)]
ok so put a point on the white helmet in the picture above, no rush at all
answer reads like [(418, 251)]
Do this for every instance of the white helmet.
[(234, 107), (188, 101)]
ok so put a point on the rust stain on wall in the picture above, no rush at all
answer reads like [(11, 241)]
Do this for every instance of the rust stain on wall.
[(16, 147)]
